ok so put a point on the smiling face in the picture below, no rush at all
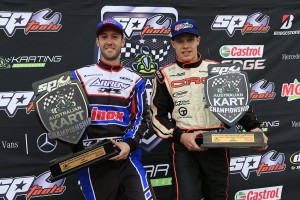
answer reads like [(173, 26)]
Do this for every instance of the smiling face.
[(110, 42), (186, 47)]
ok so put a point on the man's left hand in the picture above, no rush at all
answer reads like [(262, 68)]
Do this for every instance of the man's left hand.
[(263, 148), (125, 150)]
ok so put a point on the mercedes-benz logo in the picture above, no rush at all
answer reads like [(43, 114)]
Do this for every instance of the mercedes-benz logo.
[(45, 144)]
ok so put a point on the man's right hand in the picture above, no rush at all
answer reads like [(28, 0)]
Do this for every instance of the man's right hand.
[(188, 140)]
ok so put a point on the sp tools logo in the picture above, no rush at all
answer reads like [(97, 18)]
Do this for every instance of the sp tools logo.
[(268, 193), (147, 30), (268, 163), (258, 92), (30, 186), (11, 102), (255, 23), (40, 21), (242, 51)]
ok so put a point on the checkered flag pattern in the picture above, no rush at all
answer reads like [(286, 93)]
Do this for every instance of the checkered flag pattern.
[(131, 50), (219, 81), (54, 99)]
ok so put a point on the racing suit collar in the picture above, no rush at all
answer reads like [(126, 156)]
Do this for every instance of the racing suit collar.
[(105, 66), (188, 64)]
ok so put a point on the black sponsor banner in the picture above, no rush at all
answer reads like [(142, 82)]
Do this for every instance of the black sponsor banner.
[(43, 39)]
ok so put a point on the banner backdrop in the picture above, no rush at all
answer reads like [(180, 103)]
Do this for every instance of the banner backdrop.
[(40, 39)]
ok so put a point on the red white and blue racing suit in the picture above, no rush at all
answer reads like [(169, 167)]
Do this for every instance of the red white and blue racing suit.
[(117, 102)]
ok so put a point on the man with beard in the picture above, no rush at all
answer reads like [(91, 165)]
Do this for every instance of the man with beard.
[(119, 112)]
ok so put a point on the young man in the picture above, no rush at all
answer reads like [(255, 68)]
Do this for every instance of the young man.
[(119, 112), (196, 170)]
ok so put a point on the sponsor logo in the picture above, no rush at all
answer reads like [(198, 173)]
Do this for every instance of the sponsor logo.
[(182, 111), (181, 102), (159, 174), (11, 102), (40, 21), (268, 193), (255, 23), (45, 144), (295, 161), (258, 92), (187, 81), (9, 145), (249, 64), (27, 61), (268, 163), (183, 26), (148, 31), (291, 90), (179, 94), (30, 187), (287, 23), (295, 124), (242, 51), (290, 56)]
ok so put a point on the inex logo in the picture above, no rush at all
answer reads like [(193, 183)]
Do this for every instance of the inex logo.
[(268, 163), (268, 193), (242, 51), (255, 23), (41, 21), (287, 21)]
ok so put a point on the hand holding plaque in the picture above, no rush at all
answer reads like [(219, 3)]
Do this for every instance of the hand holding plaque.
[(227, 94)]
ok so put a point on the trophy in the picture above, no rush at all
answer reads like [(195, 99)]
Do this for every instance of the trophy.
[(63, 109), (227, 94)]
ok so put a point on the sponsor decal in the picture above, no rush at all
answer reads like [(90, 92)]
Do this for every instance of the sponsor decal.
[(258, 92), (290, 56), (45, 144), (255, 23), (40, 21), (287, 23), (147, 30), (295, 161), (11, 102), (27, 61), (159, 174), (291, 90), (30, 187), (268, 193), (242, 51), (248, 64), (270, 162)]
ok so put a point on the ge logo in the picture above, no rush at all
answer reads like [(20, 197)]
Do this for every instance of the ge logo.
[(44, 144), (182, 111)]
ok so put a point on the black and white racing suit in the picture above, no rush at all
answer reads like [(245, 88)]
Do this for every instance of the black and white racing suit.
[(117, 103), (178, 89)]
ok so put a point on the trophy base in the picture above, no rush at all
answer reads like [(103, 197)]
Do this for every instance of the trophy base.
[(233, 140), (66, 165)]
